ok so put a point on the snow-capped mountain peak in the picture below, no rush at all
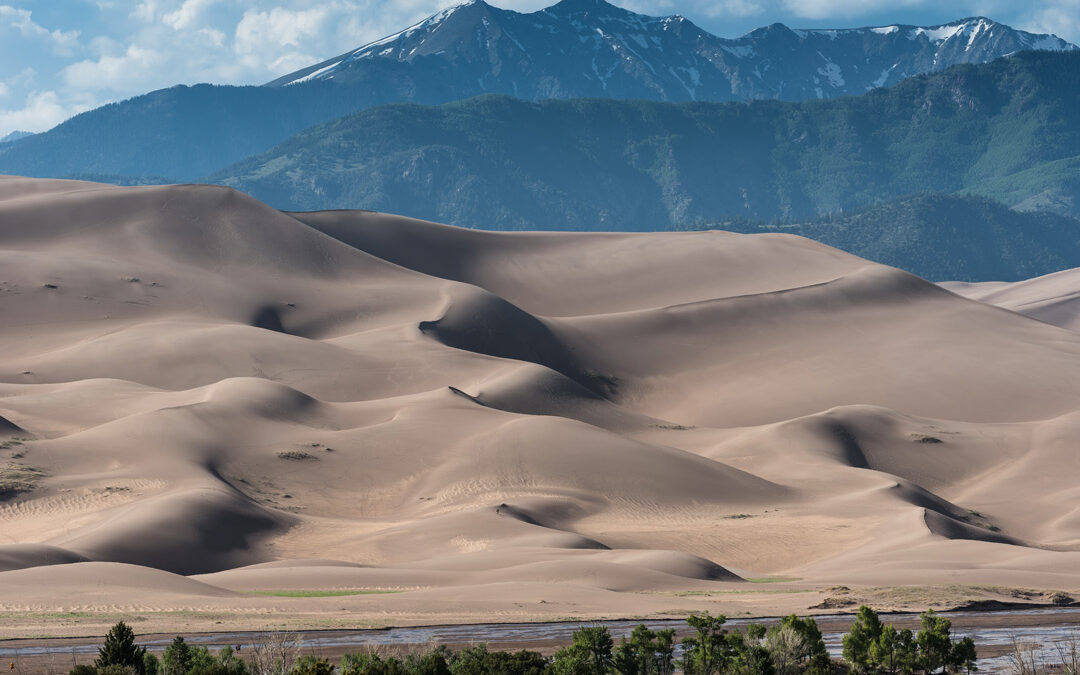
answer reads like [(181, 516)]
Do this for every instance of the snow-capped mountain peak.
[(579, 48)]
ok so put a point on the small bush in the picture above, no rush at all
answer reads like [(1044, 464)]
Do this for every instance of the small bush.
[(296, 455), (309, 665), (1061, 599)]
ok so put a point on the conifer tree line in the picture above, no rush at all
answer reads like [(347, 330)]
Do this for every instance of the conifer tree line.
[(791, 647)]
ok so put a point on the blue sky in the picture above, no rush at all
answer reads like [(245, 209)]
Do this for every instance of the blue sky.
[(60, 57)]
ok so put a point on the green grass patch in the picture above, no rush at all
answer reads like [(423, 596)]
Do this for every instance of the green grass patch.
[(772, 591), (769, 580), (320, 594)]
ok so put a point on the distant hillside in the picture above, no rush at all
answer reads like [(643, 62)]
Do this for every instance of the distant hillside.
[(577, 48), (14, 136), (1052, 186), (496, 162), (945, 237), (178, 133)]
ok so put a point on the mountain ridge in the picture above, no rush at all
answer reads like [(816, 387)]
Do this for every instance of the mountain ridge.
[(637, 165), (184, 132), (666, 58)]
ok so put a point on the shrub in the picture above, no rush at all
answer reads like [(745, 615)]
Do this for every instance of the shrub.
[(588, 654), (797, 645), (479, 661), (749, 655), (275, 654), (309, 665), (370, 664)]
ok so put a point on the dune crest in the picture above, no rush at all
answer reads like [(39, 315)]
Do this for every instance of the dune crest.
[(201, 396)]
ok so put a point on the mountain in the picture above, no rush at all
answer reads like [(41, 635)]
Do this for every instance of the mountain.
[(14, 136), (178, 134), (590, 48), (577, 48), (945, 237), (1051, 186), (503, 163)]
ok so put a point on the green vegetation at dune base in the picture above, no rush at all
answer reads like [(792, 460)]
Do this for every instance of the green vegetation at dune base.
[(769, 580), (320, 593), (792, 645)]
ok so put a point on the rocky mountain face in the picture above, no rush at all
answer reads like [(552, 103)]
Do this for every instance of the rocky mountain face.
[(590, 48)]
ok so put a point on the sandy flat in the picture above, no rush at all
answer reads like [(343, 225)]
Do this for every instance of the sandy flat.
[(208, 406)]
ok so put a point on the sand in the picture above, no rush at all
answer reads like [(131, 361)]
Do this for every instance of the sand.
[(207, 405), (1053, 298)]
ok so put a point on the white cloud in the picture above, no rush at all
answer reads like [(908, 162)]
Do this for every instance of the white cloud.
[(215, 37), (188, 14), (134, 67), (278, 27), (714, 9), (1059, 17), (279, 40), (826, 9), (63, 42), (741, 8), (146, 12), (43, 110), (3, 90)]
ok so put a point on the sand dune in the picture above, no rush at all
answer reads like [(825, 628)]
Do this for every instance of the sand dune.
[(1054, 298), (484, 426), (21, 556)]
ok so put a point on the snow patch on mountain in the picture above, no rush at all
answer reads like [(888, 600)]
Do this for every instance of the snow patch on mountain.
[(582, 48)]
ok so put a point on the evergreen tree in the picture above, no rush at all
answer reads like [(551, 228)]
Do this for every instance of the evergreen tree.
[(231, 664), (178, 658), (907, 652), (935, 645), (963, 655), (864, 632), (645, 653), (884, 651), (120, 649), (749, 656), (590, 653), (708, 651)]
